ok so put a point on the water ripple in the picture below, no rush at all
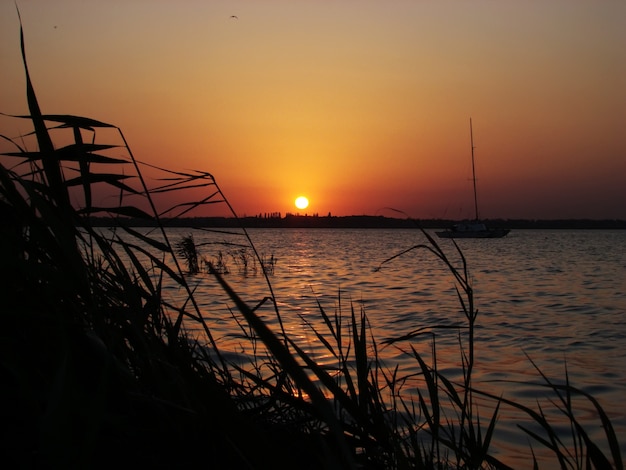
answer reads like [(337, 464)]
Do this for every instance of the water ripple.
[(556, 297)]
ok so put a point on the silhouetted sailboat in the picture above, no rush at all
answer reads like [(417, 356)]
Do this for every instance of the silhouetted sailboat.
[(475, 228)]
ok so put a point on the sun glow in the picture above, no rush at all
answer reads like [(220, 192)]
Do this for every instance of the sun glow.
[(302, 202)]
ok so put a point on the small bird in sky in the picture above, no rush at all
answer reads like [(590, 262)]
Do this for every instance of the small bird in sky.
[(234, 17)]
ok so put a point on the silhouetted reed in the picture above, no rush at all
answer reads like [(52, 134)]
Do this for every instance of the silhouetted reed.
[(186, 249)]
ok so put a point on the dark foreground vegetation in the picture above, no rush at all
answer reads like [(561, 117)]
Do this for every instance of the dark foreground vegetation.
[(99, 370)]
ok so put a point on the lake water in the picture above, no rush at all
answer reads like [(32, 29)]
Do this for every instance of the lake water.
[(558, 297)]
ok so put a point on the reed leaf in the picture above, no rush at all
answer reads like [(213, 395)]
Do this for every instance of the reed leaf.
[(126, 211), (328, 322), (84, 168), (72, 153), (451, 391), (50, 163), (606, 422), (486, 441), (347, 402), (158, 262), (290, 366), (67, 120), (420, 331), (160, 246), (362, 364), (109, 178), (319, 335), (433, 418)]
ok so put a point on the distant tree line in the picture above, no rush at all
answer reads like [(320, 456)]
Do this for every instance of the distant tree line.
[(274, 220)]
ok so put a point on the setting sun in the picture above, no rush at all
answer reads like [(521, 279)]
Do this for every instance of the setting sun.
[(302, 202)]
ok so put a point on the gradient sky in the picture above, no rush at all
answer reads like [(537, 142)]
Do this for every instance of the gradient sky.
[(359, 105)]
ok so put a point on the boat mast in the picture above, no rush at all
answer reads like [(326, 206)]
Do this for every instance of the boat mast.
[(473, 170)]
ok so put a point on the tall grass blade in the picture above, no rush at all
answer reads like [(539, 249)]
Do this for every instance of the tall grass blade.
[(292, 368), (319, 335), (489, 433), (66, 120)]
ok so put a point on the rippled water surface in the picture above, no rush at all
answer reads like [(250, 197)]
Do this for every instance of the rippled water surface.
[(558, 297)]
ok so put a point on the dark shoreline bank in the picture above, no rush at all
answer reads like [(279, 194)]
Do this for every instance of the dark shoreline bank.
[(356, 221)]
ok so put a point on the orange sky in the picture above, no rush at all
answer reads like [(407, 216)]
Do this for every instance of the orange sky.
[(359, 105)]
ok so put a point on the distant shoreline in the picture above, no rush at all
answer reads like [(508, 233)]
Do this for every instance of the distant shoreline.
[(356, 221)]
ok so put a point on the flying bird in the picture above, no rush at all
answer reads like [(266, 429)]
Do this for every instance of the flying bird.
[(235, 17)]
